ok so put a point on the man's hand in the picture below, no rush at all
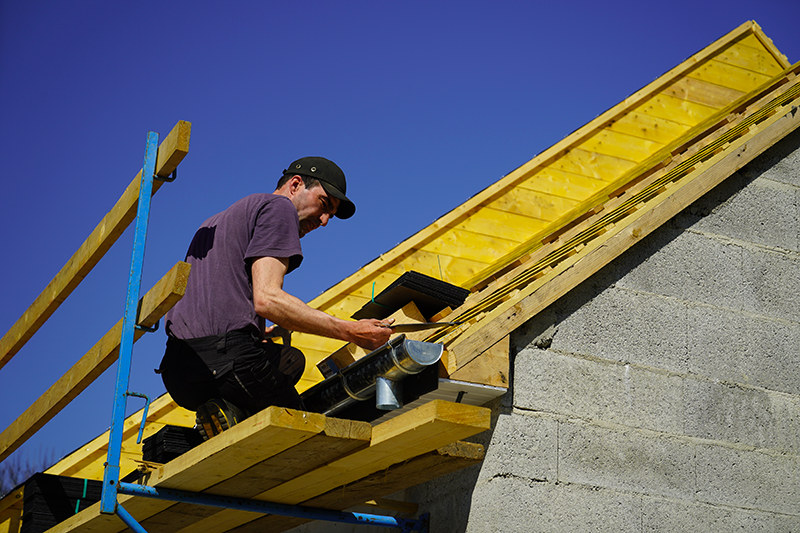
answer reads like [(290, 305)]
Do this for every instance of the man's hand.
[(371, 333), (276, 331)]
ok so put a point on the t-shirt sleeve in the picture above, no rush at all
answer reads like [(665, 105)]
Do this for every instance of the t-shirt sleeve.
[(276, 233)]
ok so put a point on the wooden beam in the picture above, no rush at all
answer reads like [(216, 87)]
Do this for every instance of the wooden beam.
[(490, 368), (770, 46), (152, 307), (10, 520), (274, 430), (12, 500), (172, 150), (514, 312), (400, 476)]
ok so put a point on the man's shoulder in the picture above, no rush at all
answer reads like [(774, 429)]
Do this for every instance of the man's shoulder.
[(264, 198), (259, 202)]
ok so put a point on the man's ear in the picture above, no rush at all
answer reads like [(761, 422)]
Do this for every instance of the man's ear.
[(296, 183)]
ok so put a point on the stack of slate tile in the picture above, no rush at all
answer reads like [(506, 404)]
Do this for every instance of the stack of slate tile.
[(50, 500), (170, 442), (429, 294)]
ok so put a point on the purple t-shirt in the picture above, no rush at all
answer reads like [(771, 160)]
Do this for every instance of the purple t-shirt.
[(219, 294)]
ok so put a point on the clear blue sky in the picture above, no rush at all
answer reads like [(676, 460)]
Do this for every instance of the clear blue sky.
[(423, 104)]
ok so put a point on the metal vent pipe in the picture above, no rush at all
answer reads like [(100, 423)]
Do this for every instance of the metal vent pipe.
[(389, 364)]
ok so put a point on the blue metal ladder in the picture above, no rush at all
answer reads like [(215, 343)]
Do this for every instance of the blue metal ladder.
[(112, 485)]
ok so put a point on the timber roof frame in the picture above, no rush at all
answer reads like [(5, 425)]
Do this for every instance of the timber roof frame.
[(687, 80)]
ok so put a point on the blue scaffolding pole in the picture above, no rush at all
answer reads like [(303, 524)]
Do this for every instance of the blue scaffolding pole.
[(112, 485)]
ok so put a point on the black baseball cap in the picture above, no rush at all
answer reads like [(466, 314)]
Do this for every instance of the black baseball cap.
[(331, 178)]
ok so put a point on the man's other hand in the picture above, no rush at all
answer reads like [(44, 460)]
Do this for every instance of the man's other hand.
[(371, 333)]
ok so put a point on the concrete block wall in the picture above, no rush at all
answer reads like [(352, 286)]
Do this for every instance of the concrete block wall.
[(662, 394)]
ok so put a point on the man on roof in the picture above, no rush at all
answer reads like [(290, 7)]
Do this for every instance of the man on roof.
[(218, 361)]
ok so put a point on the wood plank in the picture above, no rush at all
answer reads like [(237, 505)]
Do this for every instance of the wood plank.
[(702, 92), (10, 520), (400, 476), (621, 145), (599, 252), (399, 439), (172, 150), (337, 439), (727, 75), (755, 59), (489, 368), (253, 440), (445, 267), (533, 204), (671, 108), (564, 184), (469, 245), (153, 306), (593, 165), (345, 306), (12, 500), (413, 433), (648, 127), (512, 226), (758, 39)]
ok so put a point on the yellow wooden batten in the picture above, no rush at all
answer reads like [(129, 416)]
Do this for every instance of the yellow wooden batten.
[(509, 218)]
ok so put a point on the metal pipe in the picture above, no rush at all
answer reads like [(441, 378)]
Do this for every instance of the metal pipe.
[(108, 498), (394, 361), (129, 520), (388, 394), (257, 506)]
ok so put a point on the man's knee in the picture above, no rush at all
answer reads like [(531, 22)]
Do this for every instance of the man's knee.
[(292, 364)]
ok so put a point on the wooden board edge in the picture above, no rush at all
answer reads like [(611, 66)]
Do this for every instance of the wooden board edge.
[(770, 46), (91, 251), (153, 305)]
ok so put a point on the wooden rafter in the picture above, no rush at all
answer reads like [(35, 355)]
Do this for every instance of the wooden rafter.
[(554, 189)]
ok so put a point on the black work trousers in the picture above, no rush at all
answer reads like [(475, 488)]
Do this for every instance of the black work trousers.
[(238, 367)]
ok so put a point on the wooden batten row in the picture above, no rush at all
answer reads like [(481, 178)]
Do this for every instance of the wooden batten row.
[(606, 235), (171, 152), (473, 241)]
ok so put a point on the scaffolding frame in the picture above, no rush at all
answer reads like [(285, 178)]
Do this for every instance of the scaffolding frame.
[(112, 485)]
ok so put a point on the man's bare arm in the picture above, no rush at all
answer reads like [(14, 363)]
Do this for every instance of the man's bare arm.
[(280, 307)]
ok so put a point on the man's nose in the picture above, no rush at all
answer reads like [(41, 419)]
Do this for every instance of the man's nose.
[(324, 219)]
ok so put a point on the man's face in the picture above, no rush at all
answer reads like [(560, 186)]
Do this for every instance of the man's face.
[(314, 207)]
